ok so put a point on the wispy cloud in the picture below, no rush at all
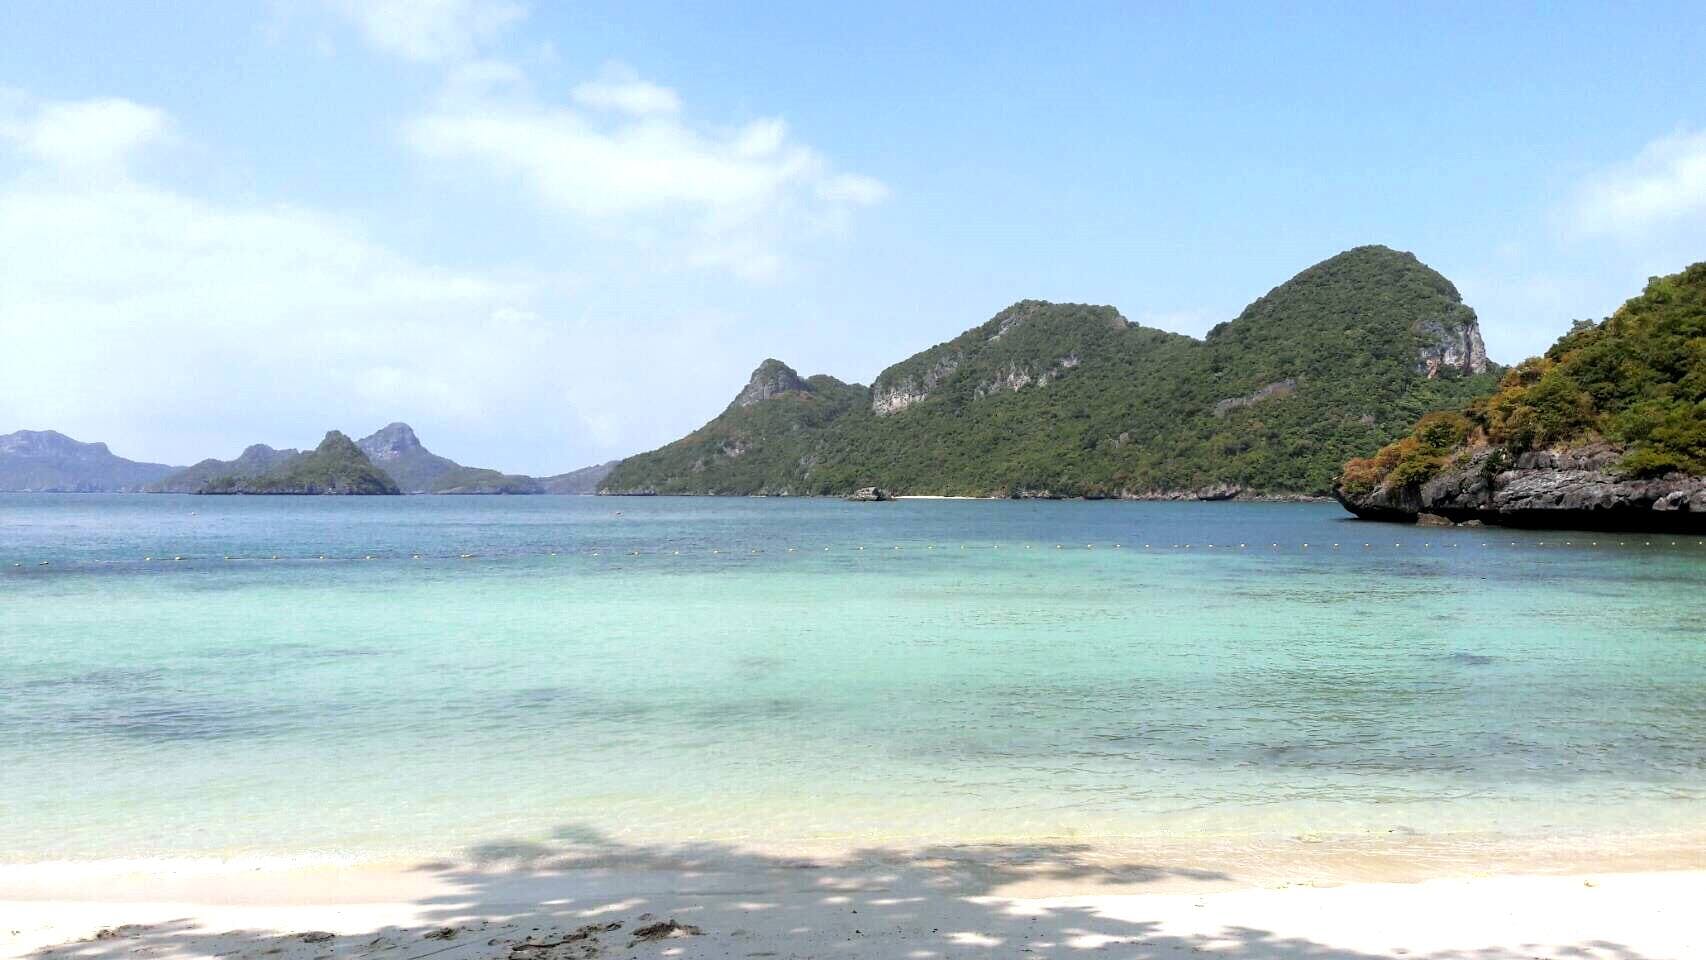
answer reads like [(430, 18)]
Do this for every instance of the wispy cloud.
[(430, 31), (621, 154), (1663, 184)]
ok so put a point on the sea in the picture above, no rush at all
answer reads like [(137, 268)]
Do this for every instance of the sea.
[(410, 678)]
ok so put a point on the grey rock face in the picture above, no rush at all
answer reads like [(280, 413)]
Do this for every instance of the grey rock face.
[(1573, 489), (772, 379), (1272, 391), (1450, 343)]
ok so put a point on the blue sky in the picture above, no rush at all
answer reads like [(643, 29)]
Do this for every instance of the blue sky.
[(548, 235)]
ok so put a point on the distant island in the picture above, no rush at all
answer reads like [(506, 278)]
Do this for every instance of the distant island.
[(392, 457), (1606, 430), (1070, 400), (336, 466), (47, 461)]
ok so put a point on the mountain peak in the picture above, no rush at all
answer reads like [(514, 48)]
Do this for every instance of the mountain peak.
[(390, 441), (772, 379)]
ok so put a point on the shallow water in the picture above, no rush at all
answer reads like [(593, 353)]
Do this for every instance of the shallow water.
[(777, 673)]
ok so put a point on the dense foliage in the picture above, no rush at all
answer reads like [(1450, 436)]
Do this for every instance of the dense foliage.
[(1073, 400), (1637, 380), (337, 465)]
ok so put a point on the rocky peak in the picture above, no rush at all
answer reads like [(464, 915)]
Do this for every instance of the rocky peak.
[(336, 441), (390, 442), (39, 443), (772, 379)]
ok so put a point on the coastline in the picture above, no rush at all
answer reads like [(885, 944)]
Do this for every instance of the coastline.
[(934, 902)]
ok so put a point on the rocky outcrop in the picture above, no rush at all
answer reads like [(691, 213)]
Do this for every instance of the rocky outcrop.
[(1450, 343), (870, 495), (772, 379), (1570, 489), (1272, 391), (893, 396)]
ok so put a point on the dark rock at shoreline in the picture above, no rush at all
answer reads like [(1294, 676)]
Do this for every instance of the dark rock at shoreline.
[(870, 495), (1570, 489)]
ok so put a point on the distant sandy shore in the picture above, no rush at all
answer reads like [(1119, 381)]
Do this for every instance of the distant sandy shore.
[(943, 903)]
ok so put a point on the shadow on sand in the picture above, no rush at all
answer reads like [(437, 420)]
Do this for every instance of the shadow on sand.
[(587, 896)]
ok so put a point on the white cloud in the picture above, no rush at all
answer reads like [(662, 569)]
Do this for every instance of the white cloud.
[(736, 197), (1665, 183), (431, 31), (81, 135), (621, 90)]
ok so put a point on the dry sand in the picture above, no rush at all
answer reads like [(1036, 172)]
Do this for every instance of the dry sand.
[(942, 903)]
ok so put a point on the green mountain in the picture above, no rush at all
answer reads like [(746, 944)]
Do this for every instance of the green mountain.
[(1053, 399), (1606, 429), (395, 449), (336, 466), (46, 461), (255, 460)]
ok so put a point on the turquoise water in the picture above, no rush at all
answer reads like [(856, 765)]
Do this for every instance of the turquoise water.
[(778, 673)]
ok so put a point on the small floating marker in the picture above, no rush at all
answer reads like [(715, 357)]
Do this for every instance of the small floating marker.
[(1057, 546), (1306, 546), (1241, 546), (897, 546), (1366, 546), (1335, 546), (1089, 546), (147, 558), (861, 548), (1146, 546), (44, 563), (678, 553), (790, 549), (174, 558), (635, 553), (1649, 543), (465, 556), (1116, 546), (713, 551)]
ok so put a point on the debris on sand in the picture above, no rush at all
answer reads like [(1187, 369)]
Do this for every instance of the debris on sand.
[(665, 930), (442, 933), (315, 936)]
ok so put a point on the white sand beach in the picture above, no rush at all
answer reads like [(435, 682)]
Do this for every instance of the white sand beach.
[(942, 903)]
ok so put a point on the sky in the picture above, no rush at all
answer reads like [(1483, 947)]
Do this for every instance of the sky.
[(547, 235)]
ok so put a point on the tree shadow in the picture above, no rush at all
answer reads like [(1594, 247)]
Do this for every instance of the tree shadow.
[(588, 896)]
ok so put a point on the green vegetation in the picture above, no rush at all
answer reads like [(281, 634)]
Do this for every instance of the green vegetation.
[(1637, 380), (1073, 400), (337, 465)]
